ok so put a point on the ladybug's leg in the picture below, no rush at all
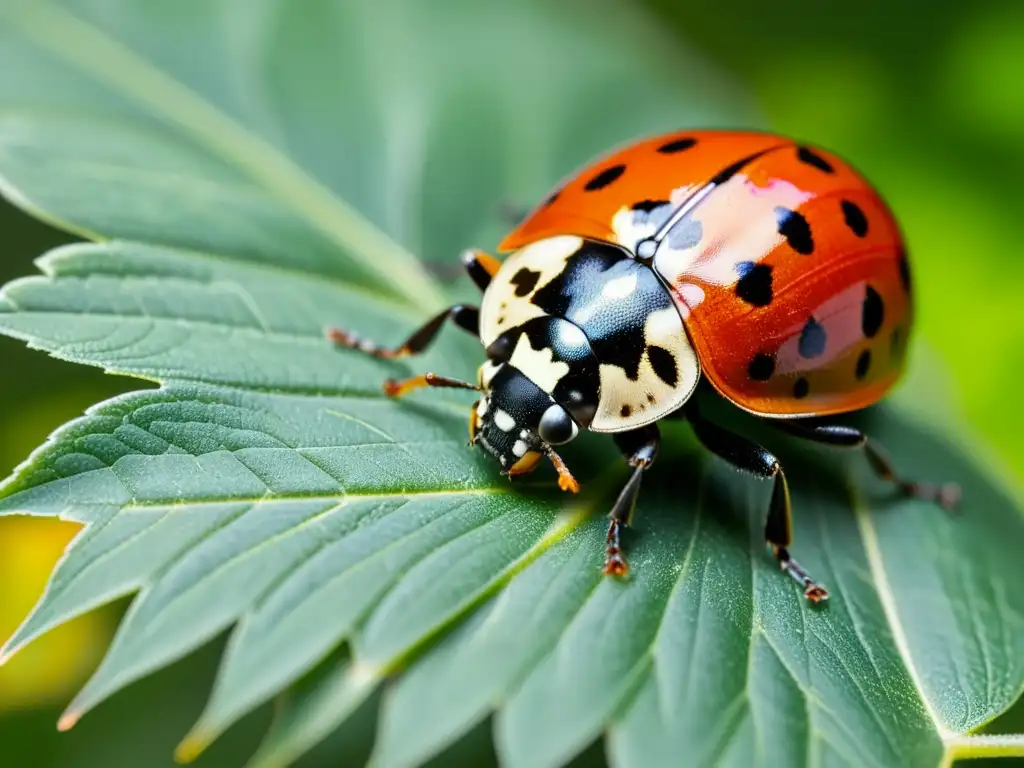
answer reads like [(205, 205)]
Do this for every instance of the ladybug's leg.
[(946, 495), (639, 447), (395, 388), (467, 318), (750, 457), (481, 267)]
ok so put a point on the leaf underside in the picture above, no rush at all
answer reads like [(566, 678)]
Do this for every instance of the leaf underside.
[(266, 486)]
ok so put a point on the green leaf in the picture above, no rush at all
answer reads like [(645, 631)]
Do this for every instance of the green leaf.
[(263, 170)]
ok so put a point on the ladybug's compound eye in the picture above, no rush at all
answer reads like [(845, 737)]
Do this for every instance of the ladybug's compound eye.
[(556, 427), (500, 350)]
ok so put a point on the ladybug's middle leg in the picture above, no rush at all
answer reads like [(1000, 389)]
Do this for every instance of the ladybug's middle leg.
[(946, 495), (639, 447), (750, 457)]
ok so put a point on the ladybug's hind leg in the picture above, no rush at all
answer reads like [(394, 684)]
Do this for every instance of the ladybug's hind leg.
[(639, 447), (750, 457), (946, 495)]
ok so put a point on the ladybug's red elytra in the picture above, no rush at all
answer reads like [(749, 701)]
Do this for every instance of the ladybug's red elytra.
[(768, 269)]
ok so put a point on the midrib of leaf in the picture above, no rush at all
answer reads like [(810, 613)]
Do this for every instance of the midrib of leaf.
[(122, 69), (962, 747), (956, 746)]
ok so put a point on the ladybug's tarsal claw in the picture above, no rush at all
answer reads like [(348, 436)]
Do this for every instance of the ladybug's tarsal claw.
[(348, 340), (946, 495), (615, 565), (949, 496), (815, 593)]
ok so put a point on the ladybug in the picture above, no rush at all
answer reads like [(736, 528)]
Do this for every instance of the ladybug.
[(765, 270)]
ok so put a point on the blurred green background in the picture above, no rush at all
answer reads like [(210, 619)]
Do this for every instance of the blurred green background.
[(926, 99)]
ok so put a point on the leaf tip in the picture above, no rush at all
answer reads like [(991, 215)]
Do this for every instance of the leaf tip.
[(192, 746), (67, 720), (8, 649)]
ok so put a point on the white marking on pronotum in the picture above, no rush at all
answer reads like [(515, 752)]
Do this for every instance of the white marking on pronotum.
[(487, 371), (504, 421), (620, 287), (519, 449), (481, 408), (663, 327), (539, 365)]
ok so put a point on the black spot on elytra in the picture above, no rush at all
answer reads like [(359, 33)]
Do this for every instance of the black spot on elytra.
[(676, 145), (761, 367), (801, 388), (794, 227), (525, 280), (873, 313), (604, 178), (625, 411), (812, 339), (650, 397), (755, 283), (552, 197), (855, 218), (664, 365), (904, 267), (863, 364), (649, 205), (810, 157)]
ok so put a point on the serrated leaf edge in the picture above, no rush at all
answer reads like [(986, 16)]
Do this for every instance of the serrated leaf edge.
[(109, 61)]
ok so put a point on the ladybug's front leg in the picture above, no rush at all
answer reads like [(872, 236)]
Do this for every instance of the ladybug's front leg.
[(480, 267), (467, 318), (639, 447), (750, 457)]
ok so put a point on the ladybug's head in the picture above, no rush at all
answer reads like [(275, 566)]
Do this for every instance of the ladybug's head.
[(517, 422)]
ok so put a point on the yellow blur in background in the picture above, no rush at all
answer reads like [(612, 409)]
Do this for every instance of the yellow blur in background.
[(48, 670)]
